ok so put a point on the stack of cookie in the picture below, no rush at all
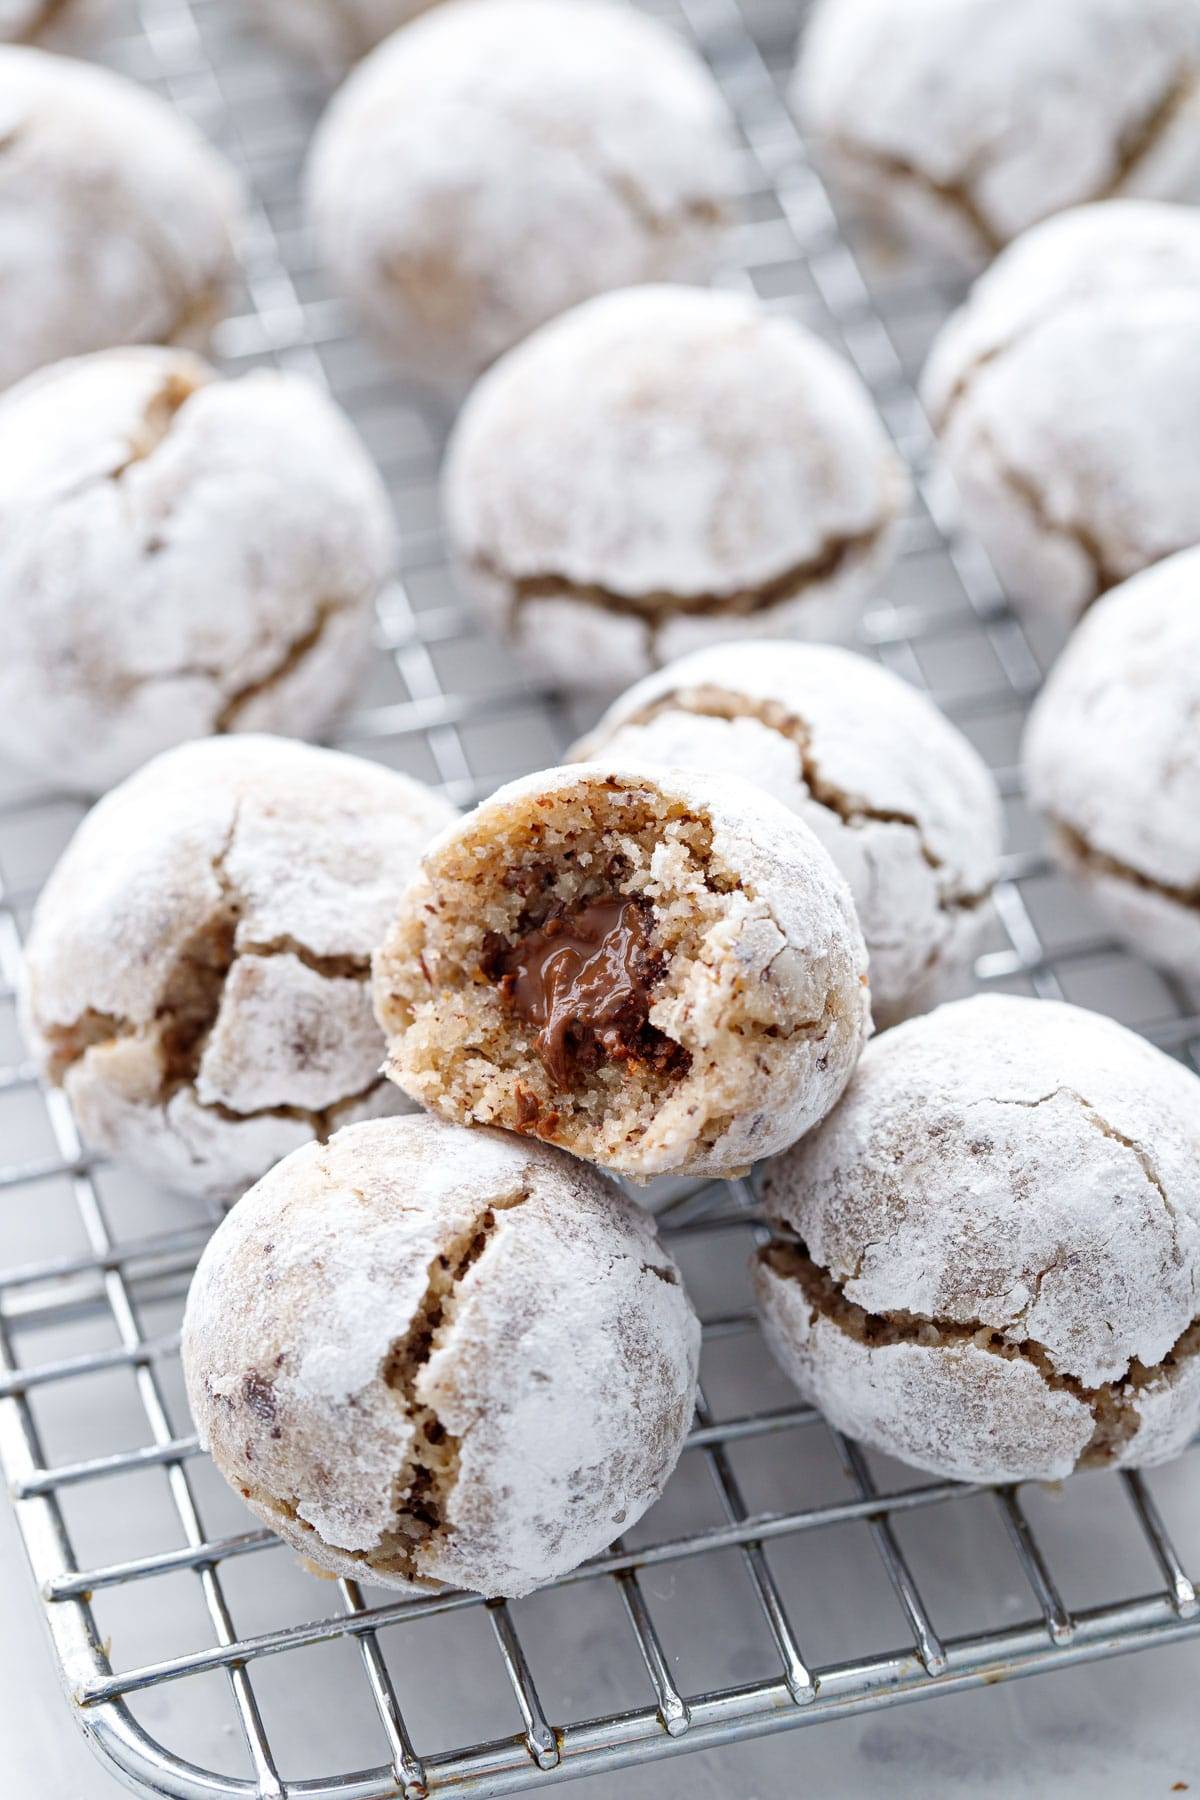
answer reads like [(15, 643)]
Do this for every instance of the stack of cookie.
[(435, 1342)]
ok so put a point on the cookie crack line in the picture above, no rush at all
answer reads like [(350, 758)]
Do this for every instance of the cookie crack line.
[(190, 1005), (658, 606), (1113, 1404), (691, 210), (1144, 135), (235, 703), (1143, 138), (958, 195), (424, 1487), (1023, 490), (723, 703), (158, 416), (1101, 863), (1095, 1118)]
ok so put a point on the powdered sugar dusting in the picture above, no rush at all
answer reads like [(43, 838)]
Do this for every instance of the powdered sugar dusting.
[(565, 1367), (118, 217), (420, 187), (225, 542), (272, 866), (1067, 398), (904, 806), (1112, 753), (965, 121), (667, 446)]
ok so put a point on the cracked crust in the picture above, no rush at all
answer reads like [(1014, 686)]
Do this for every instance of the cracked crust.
[(1112, 759), (906, 809), (665, 468), (226, 541), (119, 217), (420, 184), (963, 124), (989, 1261), (429, 1356), (196, 972), (1066, 397), (762, 983)]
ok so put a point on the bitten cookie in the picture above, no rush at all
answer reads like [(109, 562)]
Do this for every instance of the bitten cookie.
[(333, 34), (178, 555), (429, 1356), (661, 972), (1112, 758), (1066, 398), (196, 973), (988, 1258), (665, 468), (905, 807), (117, 218), (499, 160), (963, 122)]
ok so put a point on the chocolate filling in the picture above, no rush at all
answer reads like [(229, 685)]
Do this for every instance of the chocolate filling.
[(583, 979)]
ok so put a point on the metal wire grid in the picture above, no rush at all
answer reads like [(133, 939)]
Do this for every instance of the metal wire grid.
[(450, 708)]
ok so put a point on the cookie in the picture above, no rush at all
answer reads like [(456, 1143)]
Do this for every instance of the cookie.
[(432, 1357), (178, 555), (1066, 399), (118, 217), (659, 971), (196, 972), (1112, 759), (960, 123), (904, 806), (499, 160), (987, 1260), (662, 469)]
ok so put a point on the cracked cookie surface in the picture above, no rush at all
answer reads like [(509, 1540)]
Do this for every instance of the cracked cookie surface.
[(960, 123), (905, 807), (225, 543), (500, 160), (987, 1261), (197, 968), (120, 218), (1112, 760), (1066, 399), (665, 468), (434, 1357), (659, 971)]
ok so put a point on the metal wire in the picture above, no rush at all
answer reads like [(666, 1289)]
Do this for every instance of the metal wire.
[(792, 253)]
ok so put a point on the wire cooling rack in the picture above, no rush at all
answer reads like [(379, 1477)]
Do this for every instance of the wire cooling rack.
[(786, 1576)]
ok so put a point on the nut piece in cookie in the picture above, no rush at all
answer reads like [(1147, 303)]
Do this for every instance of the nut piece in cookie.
[(1112, 760), (905, 807), (434, 1357), (497, 161), (959, 123), (661, 972), (196, 972), (662, 469), (178, 555), (987, 1259), (1066, 399), (118, 217)]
